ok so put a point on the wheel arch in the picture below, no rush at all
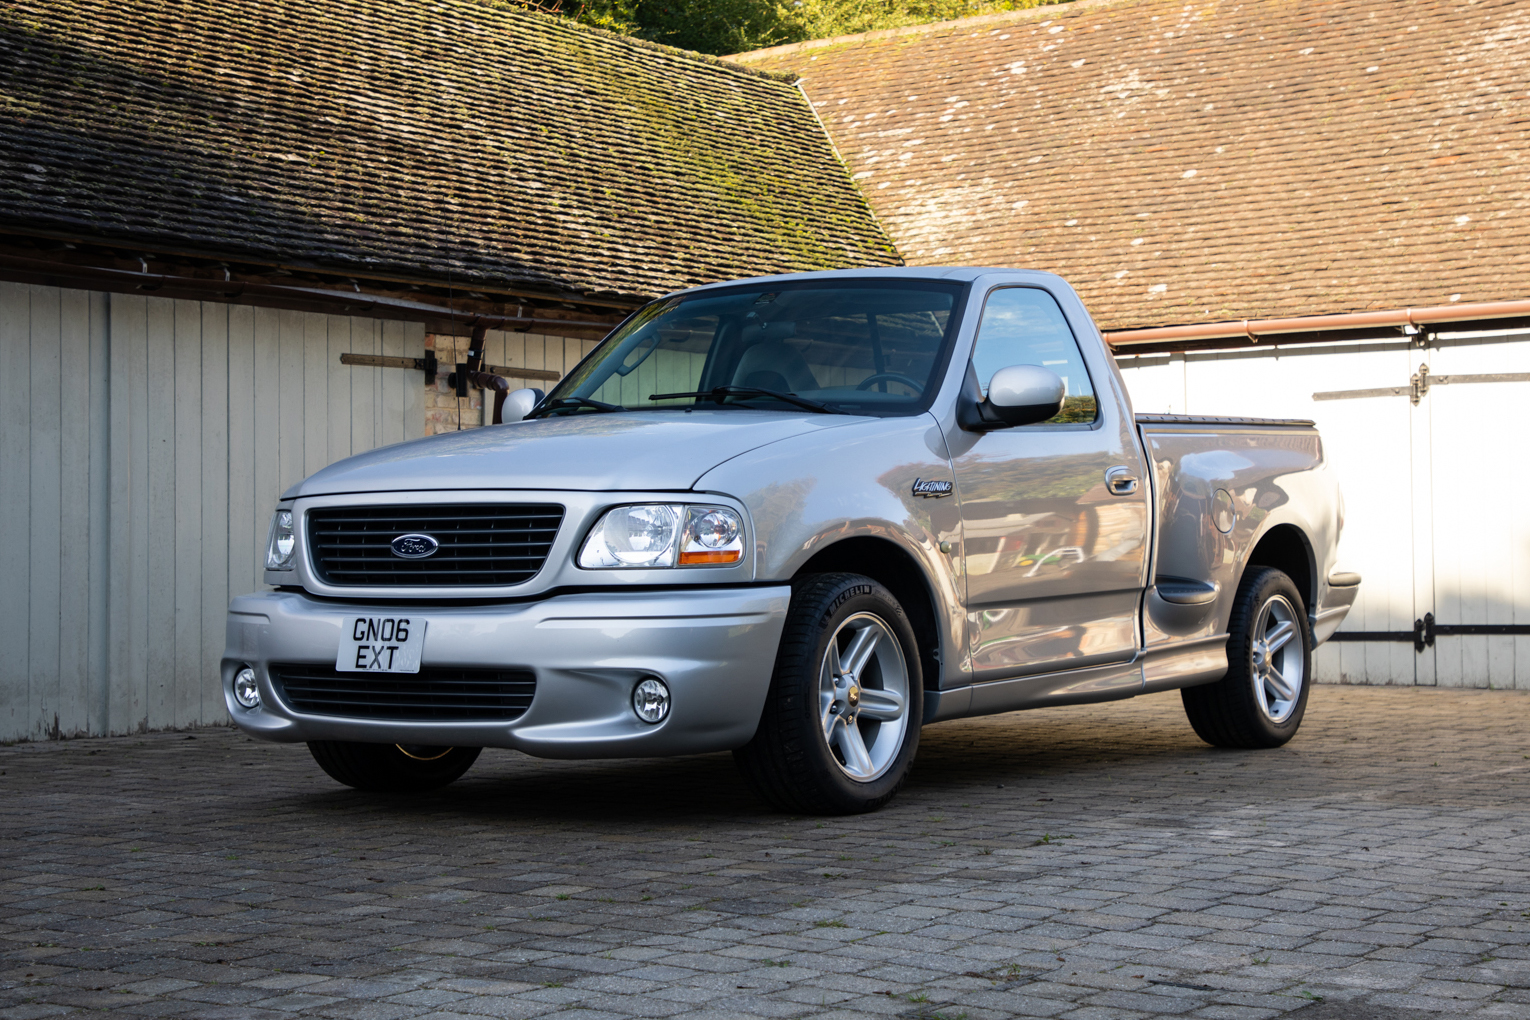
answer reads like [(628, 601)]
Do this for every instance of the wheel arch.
[(892, 567), (1286, 547)]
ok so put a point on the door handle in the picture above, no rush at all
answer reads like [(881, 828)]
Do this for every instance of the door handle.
[(1120, 481)]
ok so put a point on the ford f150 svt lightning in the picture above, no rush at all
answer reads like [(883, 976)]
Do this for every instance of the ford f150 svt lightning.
[(796, 518)]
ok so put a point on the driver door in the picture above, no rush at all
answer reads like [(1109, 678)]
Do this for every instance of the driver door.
[(1055, 554)]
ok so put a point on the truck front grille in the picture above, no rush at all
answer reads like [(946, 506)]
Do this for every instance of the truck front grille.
[(478, 544), (435, 693)]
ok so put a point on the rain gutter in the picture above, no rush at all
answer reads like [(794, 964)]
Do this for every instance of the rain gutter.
[(27, 270), (1409, 320)]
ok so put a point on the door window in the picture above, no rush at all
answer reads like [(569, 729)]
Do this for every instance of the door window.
[(1024, 326)]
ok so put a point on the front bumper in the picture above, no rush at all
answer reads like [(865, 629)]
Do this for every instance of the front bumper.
[(714, 648)]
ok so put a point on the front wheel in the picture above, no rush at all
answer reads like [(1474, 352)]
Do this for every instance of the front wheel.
[(1261, 700), (841, 720), (392, 768)]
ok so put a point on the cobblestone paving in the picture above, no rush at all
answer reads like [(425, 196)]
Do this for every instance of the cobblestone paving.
[(1092, 863)]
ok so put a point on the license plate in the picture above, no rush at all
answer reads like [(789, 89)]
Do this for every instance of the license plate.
[(381, 644)]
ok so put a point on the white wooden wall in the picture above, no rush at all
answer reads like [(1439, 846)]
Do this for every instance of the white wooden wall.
[(143, 445), (1438, 514)]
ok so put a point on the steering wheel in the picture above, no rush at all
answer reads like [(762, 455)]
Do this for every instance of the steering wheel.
[(891, 377)]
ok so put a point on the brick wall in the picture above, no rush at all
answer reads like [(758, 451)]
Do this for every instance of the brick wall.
[(444, 410)]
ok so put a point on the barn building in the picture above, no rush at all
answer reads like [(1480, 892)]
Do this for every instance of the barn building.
[(205, 206), (1307, 210)]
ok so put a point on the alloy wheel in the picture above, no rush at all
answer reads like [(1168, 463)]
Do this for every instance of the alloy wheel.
[(1278, 667), (863, 697)]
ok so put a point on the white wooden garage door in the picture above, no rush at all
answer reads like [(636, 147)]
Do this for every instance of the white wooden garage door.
[(1438, 504), (143, 445)]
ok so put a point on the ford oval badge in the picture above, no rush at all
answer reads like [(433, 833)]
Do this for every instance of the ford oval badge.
[(414, 547)]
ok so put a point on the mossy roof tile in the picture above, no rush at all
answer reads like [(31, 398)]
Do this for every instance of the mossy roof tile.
[(1184, 161), (476, 141)]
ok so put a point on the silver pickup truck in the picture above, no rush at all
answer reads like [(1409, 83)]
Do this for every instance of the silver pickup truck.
[(796, 518)]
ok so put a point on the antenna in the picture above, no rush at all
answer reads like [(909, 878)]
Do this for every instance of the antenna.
[(459, 377)]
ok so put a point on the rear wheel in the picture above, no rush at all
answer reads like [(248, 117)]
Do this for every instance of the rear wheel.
[(392, 768), (1261, 700), (841, 721)]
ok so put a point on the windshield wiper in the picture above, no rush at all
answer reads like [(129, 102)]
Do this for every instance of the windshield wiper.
[(719, 393), (569, 404)]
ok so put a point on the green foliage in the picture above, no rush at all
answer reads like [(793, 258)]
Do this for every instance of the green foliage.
[(734, 26), (1077, 409)]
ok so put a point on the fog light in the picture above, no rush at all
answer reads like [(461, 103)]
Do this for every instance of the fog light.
[(650, 700), (246, 688)]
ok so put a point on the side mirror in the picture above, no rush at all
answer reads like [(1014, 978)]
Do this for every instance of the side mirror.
[(1017, 395), (518, 404)]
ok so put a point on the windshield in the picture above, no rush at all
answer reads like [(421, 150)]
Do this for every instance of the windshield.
[(858, 346)]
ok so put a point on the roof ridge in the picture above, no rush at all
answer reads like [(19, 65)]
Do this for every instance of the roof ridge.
[(1047, 8)]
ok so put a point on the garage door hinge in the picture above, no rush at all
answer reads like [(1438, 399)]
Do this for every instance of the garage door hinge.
[(1426, 630), (1420, 383)]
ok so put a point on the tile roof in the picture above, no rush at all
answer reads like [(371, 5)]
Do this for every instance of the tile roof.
[(405, 138), (1184, 161)]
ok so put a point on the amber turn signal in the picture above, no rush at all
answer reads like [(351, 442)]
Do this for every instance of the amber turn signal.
[(700, 556)]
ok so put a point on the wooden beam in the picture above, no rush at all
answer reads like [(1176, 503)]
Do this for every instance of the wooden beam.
[(418, 365)]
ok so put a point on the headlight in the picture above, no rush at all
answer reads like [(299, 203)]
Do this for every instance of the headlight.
[(281, 542), (712, 535), (652, 535)]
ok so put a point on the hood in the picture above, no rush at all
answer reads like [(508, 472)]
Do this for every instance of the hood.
[(630, 450)]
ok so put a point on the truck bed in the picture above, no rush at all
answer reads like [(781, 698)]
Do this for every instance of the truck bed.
[(1229, 489)]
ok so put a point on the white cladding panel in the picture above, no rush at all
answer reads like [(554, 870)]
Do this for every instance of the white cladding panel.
[(146, 442), (1435, 520)]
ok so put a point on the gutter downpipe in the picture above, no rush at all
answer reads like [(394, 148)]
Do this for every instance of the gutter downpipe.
[(1258, 329)]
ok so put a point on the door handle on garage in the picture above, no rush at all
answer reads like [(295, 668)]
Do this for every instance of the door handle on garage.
[(1120, 481)]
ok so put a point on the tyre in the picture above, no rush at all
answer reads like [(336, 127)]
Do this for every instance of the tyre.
[(1260, 702), (392, 768), (841, 720)]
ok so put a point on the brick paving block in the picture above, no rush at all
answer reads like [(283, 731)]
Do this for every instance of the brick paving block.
[(1378, 975), (364, 1010), (631, 1005), (1147, 1003), (1467, 990), (34, 1011), (605, 963), (686, 994), (1422, 953), (433, 997), (156, 986), (612, 984)]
